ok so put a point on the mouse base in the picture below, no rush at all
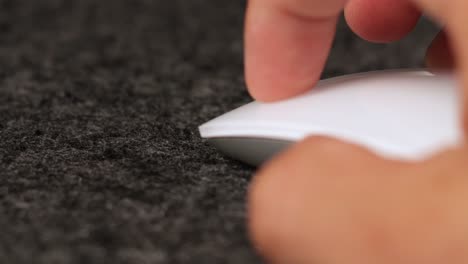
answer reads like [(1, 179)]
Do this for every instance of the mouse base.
[(252, 151)]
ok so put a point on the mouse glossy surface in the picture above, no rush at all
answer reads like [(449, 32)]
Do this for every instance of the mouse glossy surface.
[(404, 115)]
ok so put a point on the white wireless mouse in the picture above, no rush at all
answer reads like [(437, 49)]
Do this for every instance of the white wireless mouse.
[(404, 114)]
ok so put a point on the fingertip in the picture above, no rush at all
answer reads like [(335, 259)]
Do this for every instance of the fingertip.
[(267, 88), (299, 204), (284, 53), (347, 152), (272, 214), (293, 198), (381, 21), (277, 200)]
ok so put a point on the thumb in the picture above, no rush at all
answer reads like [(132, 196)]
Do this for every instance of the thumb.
[(299, 203), (324, 201)]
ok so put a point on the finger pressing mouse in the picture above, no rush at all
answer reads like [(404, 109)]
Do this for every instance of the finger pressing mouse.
[(327, 201)]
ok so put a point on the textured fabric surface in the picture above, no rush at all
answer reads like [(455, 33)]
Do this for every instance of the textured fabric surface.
[(100, 158)]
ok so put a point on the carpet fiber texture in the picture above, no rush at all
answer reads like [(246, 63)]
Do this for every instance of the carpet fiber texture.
[(100, 158)]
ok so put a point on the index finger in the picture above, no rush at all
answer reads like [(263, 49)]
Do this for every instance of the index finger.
[(287, 43)]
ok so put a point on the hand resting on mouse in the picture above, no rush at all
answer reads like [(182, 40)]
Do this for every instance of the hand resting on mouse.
[(326, 201)]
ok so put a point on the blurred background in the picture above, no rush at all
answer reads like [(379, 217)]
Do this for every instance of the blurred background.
[(100, 158)]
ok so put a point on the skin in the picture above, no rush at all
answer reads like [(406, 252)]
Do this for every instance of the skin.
[(326, 201)]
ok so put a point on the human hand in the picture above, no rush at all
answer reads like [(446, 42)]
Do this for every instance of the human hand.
[(287, 41), (324, 201)]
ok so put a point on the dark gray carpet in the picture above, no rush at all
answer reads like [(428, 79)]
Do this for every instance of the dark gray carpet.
[(100, 159)]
